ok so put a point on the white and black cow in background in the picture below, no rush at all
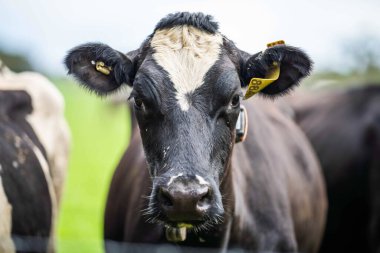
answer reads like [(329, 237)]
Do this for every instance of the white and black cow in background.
[(265, 194), (34, 146)]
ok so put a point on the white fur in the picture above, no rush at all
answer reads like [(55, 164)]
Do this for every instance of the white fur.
[(173, 178), (186, 53), (201, 180)]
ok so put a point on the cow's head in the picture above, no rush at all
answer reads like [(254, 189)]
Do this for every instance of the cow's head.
[(188, 81)]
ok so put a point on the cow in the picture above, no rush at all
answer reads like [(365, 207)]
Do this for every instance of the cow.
[(343, 125), (187, 80), (34, 146)]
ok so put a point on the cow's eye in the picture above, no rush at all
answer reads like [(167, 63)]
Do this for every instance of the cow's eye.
[(235, 101), (138, 103)]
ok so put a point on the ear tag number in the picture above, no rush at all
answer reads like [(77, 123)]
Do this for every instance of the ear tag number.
[(257, 84), (102, 68)]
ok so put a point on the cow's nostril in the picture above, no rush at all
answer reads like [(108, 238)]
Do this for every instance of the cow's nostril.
[(205, 198), (164, 197)]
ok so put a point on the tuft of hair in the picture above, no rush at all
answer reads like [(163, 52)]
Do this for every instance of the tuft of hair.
[(199, 20)]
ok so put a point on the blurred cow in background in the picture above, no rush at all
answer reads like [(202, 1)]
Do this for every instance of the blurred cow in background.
[(34, 146), (344, 128)]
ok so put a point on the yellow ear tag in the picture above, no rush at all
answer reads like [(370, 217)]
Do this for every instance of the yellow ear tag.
[(257, 84), (102, 68), (278, 42)]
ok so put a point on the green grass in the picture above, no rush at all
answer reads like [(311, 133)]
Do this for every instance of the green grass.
[(100, 134)]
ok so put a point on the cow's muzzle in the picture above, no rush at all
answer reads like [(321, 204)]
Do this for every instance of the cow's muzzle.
[(182, 203), (189, 202)]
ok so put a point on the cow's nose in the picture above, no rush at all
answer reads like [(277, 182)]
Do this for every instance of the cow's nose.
[(183, 203)]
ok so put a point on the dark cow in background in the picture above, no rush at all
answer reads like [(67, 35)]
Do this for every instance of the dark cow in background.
[(34, 143), (265, 194), (344, 128)]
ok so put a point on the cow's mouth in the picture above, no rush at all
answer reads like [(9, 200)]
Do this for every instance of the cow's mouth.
[(176, 232)]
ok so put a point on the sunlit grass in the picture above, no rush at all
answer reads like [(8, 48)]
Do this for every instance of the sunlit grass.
[(99, 136)]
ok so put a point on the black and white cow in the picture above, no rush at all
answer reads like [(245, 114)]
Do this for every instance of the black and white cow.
[(34, 143), (343, 126), (265, 194)]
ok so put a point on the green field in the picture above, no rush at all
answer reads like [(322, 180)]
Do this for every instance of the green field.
[(100, 133)]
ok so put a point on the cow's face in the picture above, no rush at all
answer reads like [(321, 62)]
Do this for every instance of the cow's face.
[(186, 103), (187, 84)]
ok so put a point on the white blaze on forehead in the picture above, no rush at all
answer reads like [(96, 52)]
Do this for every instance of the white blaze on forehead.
[(201, 180), (186, 53)]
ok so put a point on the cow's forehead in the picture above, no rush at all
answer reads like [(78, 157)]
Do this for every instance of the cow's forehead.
[(186, 53)]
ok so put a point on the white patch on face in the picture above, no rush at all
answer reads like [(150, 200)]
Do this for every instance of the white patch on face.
[(201, 180), (186, 53), (173, 178)]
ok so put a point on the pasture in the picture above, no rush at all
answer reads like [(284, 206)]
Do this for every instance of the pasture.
[(94, 155)]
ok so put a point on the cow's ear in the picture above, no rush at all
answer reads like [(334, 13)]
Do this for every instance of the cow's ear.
[(280, 67), (99, 67)]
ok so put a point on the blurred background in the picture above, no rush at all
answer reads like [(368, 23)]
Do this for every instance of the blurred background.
[(342, 37)]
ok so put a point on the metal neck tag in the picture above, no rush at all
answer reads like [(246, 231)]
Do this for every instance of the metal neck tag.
[(241, 125)]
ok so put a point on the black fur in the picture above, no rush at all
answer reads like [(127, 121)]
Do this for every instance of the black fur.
[(294, 65), (25, 186), (198, 20), (78, 63)]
